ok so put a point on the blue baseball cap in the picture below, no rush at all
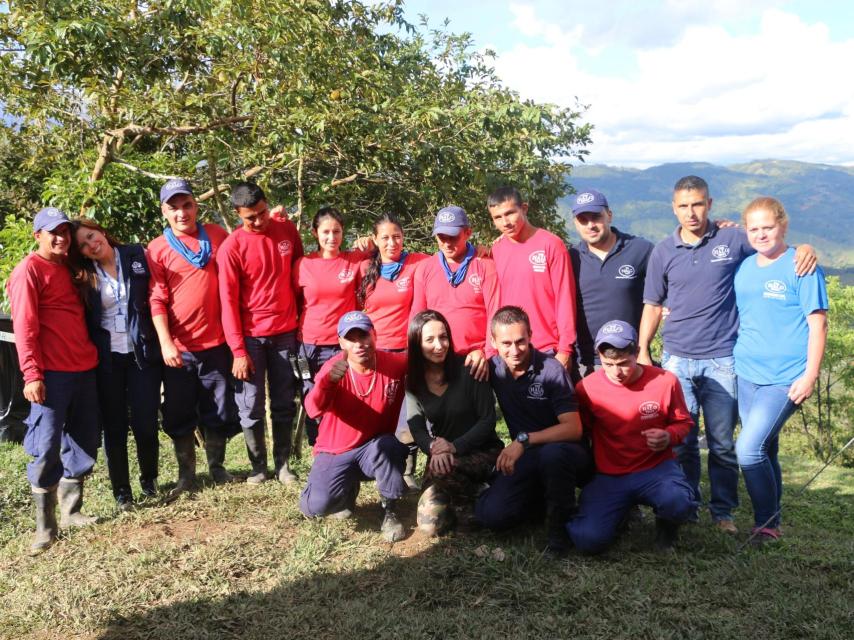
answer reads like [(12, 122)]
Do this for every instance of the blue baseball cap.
[(354, 320), (173, 188), (450, 221), (49, 219), (589, 201), (617, 333)]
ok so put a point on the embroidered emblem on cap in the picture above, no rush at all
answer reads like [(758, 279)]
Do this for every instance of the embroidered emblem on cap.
[(538, 261), (353, 316), (446, 216), (584, 198), (612, 327)]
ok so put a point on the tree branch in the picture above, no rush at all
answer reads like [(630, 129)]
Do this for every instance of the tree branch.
[(136, 129), (147, 174)]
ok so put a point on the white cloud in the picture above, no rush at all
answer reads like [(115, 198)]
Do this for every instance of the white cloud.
[(707, 95)]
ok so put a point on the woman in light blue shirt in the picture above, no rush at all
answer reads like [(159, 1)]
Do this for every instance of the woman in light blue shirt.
[(778, 353)]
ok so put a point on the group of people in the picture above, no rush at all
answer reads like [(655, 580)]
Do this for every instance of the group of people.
[(560, 337)]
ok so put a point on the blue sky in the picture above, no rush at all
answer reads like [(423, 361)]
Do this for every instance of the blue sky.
[(721, 81)]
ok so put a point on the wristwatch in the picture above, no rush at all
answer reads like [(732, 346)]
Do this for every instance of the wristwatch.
[(522, 438)]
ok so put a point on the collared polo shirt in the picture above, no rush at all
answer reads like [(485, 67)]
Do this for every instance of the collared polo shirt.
[(696, 282), (534, 400), (608, 289)]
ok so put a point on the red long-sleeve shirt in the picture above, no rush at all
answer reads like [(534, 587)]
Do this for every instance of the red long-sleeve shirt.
[(537, 276), (468, 307), (350, 420), (614, 415), (327, 287), (48, 319), (187, 296), (256, 282), (389, 302)]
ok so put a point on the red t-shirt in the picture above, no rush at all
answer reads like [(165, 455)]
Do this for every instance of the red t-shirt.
[(614, 415), (327, 288), (468, 308), (349, 420), (256, 282), (389, 302), (188, 296), (537, 276), (48, 319)]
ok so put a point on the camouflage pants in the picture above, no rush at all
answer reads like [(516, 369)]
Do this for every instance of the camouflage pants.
[(449, 498)]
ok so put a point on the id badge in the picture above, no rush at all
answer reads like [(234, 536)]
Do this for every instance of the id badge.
[(121, 324)]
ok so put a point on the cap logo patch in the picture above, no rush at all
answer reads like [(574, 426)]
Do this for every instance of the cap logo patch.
[(285, 247), (536, 390), (173, 183), (445, 216), (612, 327), (538, 261), (53, 213), (649, 410), (353, 316), (626, 272), (720, 252), (584, 198)]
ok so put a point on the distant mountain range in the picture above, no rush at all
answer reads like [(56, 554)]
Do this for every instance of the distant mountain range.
[(819, 199)]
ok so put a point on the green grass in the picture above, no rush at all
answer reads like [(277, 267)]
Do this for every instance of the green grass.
[(241, 562)]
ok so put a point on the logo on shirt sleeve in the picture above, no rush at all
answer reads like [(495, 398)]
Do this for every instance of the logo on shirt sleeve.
[(721, 253), (285, 247), (775, 289), (346, 275), (649, 410), (403, 283), (476, 282), (538, 261), (626, 272), (536, 391)]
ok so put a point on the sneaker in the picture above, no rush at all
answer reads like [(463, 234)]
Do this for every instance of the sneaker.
[(392, 527), (760, 536), (726, 526)]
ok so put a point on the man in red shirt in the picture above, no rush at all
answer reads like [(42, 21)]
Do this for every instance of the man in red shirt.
[(635, 415), (535, 273), (58, 362), (460, 286), (186, 313), (359, 393), (260, 320)]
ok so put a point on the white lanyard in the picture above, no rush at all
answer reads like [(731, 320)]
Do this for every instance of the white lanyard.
[(115, 285)]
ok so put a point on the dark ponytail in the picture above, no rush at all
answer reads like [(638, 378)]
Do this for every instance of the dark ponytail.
[(369, 280)]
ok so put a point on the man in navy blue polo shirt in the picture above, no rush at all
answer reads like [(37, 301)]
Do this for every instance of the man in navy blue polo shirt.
[(609, 267), (693, 271), (548, 455)]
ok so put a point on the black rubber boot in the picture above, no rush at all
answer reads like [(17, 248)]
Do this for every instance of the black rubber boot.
[(666, 534), (70, 497), (409, 471), (282, 452), (46, 529), (185, 454), (392, 528), (557, 539), (215, 443), (256, 451)]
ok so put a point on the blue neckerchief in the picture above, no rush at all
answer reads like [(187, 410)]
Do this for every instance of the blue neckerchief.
[(390, 270), (198, 259), (454, 279)]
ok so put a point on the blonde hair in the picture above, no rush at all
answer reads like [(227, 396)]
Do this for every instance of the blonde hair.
[(770, 204)]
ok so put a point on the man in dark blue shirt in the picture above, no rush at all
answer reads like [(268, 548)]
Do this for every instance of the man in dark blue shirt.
[(548, 455), (609, 267)]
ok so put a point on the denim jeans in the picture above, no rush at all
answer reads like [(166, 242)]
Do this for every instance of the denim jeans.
[(764, 410), (316, 355), (709, 385)]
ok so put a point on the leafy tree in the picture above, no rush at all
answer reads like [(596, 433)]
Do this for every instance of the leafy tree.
[(322, 102)]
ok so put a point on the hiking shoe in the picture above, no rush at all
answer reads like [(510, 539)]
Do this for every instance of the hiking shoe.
[(392, 527), (760, 536), (726, 526)]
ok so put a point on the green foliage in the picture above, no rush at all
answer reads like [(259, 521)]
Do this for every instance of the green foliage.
[(827, 419), (16, 241), (322, 102)]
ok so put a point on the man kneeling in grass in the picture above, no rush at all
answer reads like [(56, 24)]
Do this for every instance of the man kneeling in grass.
[(635, 414), (359, 394)]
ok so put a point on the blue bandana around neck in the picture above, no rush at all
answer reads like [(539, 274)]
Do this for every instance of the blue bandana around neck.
[(454, 279), (198, 259), (390, 270)]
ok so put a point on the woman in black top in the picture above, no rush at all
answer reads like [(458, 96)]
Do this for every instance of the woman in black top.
[(452, 418)]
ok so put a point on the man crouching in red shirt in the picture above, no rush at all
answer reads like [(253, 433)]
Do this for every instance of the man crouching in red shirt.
[(58, 363), (634, 414), (359, 393)]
